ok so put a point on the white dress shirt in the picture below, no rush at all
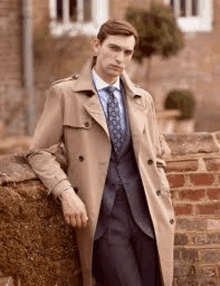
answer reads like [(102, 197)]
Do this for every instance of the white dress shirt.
[(103, 95)]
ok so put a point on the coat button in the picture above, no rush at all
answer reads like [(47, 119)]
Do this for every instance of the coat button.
[(158, 192), (81, 158), (172, 221), (76, 190), (150, 162), (87, 124)]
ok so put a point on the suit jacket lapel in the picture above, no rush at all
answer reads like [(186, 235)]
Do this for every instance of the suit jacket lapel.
[(136, 113)]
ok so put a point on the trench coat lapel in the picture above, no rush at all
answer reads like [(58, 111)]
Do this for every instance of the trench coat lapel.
[(94, 108), (84, 84), (136, 113)]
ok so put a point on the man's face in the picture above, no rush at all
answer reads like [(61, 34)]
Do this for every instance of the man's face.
[(113, 55)]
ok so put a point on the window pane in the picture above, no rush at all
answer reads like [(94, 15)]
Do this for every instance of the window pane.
[(87, 10), (183, 8), (73, 10), (172, 3), (59, 10), (195, 7)]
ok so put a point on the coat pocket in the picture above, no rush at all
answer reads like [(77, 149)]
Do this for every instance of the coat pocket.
[(81, 122), (164, 181)]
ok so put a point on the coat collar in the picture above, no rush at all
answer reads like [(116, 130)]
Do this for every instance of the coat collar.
[(84, 82), (135, 105)]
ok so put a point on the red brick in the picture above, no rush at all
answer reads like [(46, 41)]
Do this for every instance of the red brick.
[(202, 238), (213, 194), (202, 179), (181, 166), (181, 239), (212, 164), (183, 209), (175, 180), (192, 224), (210, 255), (192, 195), (210, 208)]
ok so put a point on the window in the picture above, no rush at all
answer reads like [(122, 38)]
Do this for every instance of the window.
[(77, 16), (192, 15)]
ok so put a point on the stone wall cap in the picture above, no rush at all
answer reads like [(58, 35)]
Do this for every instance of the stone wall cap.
[(184, 144), (15, 168), (168, 113)]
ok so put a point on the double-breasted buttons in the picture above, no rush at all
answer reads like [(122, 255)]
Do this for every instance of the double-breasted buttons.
[(81, 158), (150, 162), (87, 124), (172, 221), (158, 192)]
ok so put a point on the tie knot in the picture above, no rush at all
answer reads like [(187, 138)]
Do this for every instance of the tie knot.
[(110, 90)]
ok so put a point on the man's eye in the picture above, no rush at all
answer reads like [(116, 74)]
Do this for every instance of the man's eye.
[(128, 53), (115, 48)]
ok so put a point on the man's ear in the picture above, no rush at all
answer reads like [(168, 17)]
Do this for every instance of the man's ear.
[(96, 46)]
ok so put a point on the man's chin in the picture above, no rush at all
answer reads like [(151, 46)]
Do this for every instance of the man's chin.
[(115, 72)]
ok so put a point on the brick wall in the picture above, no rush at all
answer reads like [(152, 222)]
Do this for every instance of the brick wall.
[(10, 45), (11, 92), (193, 170)]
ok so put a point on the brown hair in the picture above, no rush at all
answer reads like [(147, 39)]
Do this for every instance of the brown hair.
[(117, 27)]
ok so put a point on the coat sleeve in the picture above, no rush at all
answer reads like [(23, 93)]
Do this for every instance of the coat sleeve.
[(46, 142)]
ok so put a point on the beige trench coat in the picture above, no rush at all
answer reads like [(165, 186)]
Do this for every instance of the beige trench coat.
[(73, 115)]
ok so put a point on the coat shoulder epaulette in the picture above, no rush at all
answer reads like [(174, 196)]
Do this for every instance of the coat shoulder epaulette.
[(138, 86), (141, 88), (75, 76)]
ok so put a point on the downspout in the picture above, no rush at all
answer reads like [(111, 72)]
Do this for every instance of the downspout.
[(28, 62)]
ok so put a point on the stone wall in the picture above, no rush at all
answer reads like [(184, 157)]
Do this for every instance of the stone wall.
[(36, 244)]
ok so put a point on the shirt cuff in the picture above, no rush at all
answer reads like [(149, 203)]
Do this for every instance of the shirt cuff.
[(60, 188)]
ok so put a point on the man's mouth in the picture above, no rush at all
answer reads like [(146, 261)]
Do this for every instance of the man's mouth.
[(117, 67)]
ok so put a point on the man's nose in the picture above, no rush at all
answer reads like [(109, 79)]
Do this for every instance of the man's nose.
[(120, 57)]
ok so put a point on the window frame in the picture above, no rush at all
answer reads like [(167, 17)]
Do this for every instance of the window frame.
[(99, 14), (201, 23)]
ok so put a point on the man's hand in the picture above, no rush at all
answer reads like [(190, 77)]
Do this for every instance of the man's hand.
[(74, 209)]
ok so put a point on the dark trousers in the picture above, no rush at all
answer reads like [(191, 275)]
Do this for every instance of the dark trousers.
[(124, 255)]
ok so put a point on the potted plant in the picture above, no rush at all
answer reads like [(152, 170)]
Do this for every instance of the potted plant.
[(182, 100), (158, 32)]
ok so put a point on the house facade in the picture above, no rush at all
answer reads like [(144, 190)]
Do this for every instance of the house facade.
[(196, 67), (12, 112)]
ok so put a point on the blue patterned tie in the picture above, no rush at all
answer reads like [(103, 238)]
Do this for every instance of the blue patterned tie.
[(114, 119)]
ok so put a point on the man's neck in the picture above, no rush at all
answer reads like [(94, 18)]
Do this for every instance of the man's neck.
[(108, 80), (100, 83)]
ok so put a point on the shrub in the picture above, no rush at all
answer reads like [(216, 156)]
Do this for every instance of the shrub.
[(182, 100), (158, 31)]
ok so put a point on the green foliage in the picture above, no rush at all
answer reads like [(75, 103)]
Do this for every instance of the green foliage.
[(182, 100), (158, 32)]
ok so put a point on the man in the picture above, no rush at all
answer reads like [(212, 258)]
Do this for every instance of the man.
[(115, 191)]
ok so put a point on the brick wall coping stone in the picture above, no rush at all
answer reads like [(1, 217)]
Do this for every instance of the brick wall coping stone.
[(14, 167)]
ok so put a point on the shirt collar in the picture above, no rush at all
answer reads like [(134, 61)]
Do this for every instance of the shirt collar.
[(100, 83)]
